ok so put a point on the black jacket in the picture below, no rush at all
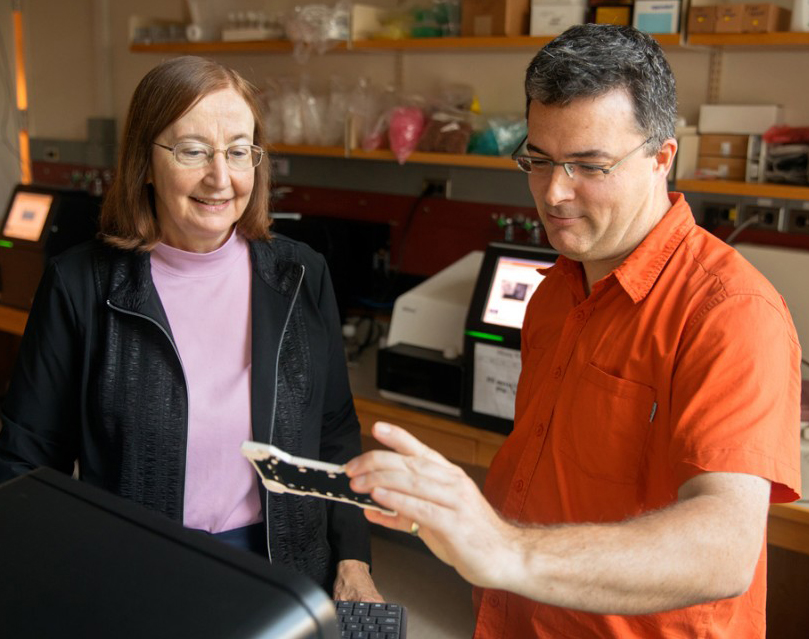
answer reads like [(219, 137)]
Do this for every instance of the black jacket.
[(99, 379)]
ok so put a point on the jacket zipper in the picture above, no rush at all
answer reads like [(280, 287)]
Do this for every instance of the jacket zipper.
[(185, 379), (275, 402)]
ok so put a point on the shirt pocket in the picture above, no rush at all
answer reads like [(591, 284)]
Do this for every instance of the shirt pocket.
[(607, 425)]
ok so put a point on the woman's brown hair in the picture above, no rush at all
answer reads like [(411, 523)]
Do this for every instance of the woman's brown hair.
[(164, 95)]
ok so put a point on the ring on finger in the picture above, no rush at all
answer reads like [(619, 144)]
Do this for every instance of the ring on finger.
[(414, 529)]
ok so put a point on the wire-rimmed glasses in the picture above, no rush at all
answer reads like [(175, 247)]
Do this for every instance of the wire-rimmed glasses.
[(543, 167), (240, 157)]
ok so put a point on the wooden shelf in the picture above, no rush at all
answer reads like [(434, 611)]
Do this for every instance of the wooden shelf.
[(450, 159), (749, 189), (788, 527), (784, 39), (12, 320), (493, 43)]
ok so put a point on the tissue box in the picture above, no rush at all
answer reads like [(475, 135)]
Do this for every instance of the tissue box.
[(657, 16), (549, 18), (495, 17)]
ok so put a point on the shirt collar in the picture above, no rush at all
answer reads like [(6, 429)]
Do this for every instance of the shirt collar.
[(638, 272)]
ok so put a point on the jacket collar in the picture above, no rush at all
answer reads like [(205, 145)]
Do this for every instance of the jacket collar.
[(130, 274)]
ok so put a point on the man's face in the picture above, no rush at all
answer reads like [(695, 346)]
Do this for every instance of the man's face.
[(591, 217)]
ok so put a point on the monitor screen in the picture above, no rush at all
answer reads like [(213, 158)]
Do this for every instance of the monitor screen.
[(27, 216), (514, 281)]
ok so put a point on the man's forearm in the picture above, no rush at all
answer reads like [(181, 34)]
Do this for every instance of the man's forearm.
[(700, 549)]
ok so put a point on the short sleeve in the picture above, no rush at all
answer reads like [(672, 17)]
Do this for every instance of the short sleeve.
[(736, 394)]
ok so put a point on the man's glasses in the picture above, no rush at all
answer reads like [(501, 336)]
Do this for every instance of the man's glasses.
[(198, 154), (543, 167)]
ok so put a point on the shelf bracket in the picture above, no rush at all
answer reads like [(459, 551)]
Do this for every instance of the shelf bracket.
[(715, 74)]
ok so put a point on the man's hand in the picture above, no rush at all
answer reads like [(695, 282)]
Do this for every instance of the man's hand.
[(354, 583), (703, 547), (454, 519)]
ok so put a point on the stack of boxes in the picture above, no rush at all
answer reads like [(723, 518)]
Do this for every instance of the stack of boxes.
[(551, 17), (723, 155), (729, 143), (738, 18)]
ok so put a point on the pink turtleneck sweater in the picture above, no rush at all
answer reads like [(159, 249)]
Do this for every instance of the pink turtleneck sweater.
[(206, 297)]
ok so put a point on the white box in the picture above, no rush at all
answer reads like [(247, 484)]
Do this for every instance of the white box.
[(657, 16), (800, 16), (553, 18), (687, 156), (744, 119)]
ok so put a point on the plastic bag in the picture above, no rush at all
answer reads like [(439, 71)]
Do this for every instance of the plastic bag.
[(404, 129), (316, 28)]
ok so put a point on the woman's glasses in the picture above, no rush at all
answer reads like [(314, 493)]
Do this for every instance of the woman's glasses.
[(198, 154)]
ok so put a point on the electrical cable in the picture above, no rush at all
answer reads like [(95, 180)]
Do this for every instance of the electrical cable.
[(411, 214), (753, 219), (804, 362)]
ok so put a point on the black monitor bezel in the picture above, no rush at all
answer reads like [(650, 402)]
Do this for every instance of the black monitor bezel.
[(43, 234), (488, 267)]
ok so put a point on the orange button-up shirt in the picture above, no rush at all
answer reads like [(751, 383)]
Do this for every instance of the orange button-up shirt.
[(682, 360)]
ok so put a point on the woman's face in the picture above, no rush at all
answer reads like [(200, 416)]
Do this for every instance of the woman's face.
[(198, 207)]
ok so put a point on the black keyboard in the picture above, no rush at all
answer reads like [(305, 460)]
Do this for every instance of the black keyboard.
[(364, 620)]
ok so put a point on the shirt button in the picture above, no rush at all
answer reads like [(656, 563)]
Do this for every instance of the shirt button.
[(557, 372), (540, 430), (579, 316), (519, 485), (494, 601)]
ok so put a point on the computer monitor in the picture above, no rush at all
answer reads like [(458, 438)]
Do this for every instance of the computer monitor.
[(76, 561), (507, 279), (27, 214), (39, 223)]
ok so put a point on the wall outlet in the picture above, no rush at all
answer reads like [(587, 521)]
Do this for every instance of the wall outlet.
[(770, 218), (798, 221), (719, 214), (438, 187)]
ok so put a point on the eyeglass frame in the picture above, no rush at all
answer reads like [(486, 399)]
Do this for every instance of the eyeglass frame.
[(570, 167), (224, 152)]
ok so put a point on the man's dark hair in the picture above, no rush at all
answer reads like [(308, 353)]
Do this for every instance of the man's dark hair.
[(590, 60)]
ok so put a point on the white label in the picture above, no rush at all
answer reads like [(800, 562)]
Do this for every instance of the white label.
[(496, 373)]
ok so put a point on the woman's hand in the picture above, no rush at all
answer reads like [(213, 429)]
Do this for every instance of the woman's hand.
[(354, 583)]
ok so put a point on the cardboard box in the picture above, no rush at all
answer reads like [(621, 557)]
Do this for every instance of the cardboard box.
[(495, 17), (743, 119), (765, 18), (552, 19), (613, 15), (657, 16), (729, 18), (723, 168), (702, 19), (726, 146)]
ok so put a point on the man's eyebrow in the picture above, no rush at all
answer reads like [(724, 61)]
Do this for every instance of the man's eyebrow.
[(590, 153)]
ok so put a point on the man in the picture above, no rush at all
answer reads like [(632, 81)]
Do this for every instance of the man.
[(657, 414)]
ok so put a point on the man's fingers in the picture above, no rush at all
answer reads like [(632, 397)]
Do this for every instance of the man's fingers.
[(421, 479), (401, 441)]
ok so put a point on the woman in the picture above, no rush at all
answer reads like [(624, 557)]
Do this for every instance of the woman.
[(151, 355)]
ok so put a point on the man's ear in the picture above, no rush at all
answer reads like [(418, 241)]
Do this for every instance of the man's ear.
[(665, 156)]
